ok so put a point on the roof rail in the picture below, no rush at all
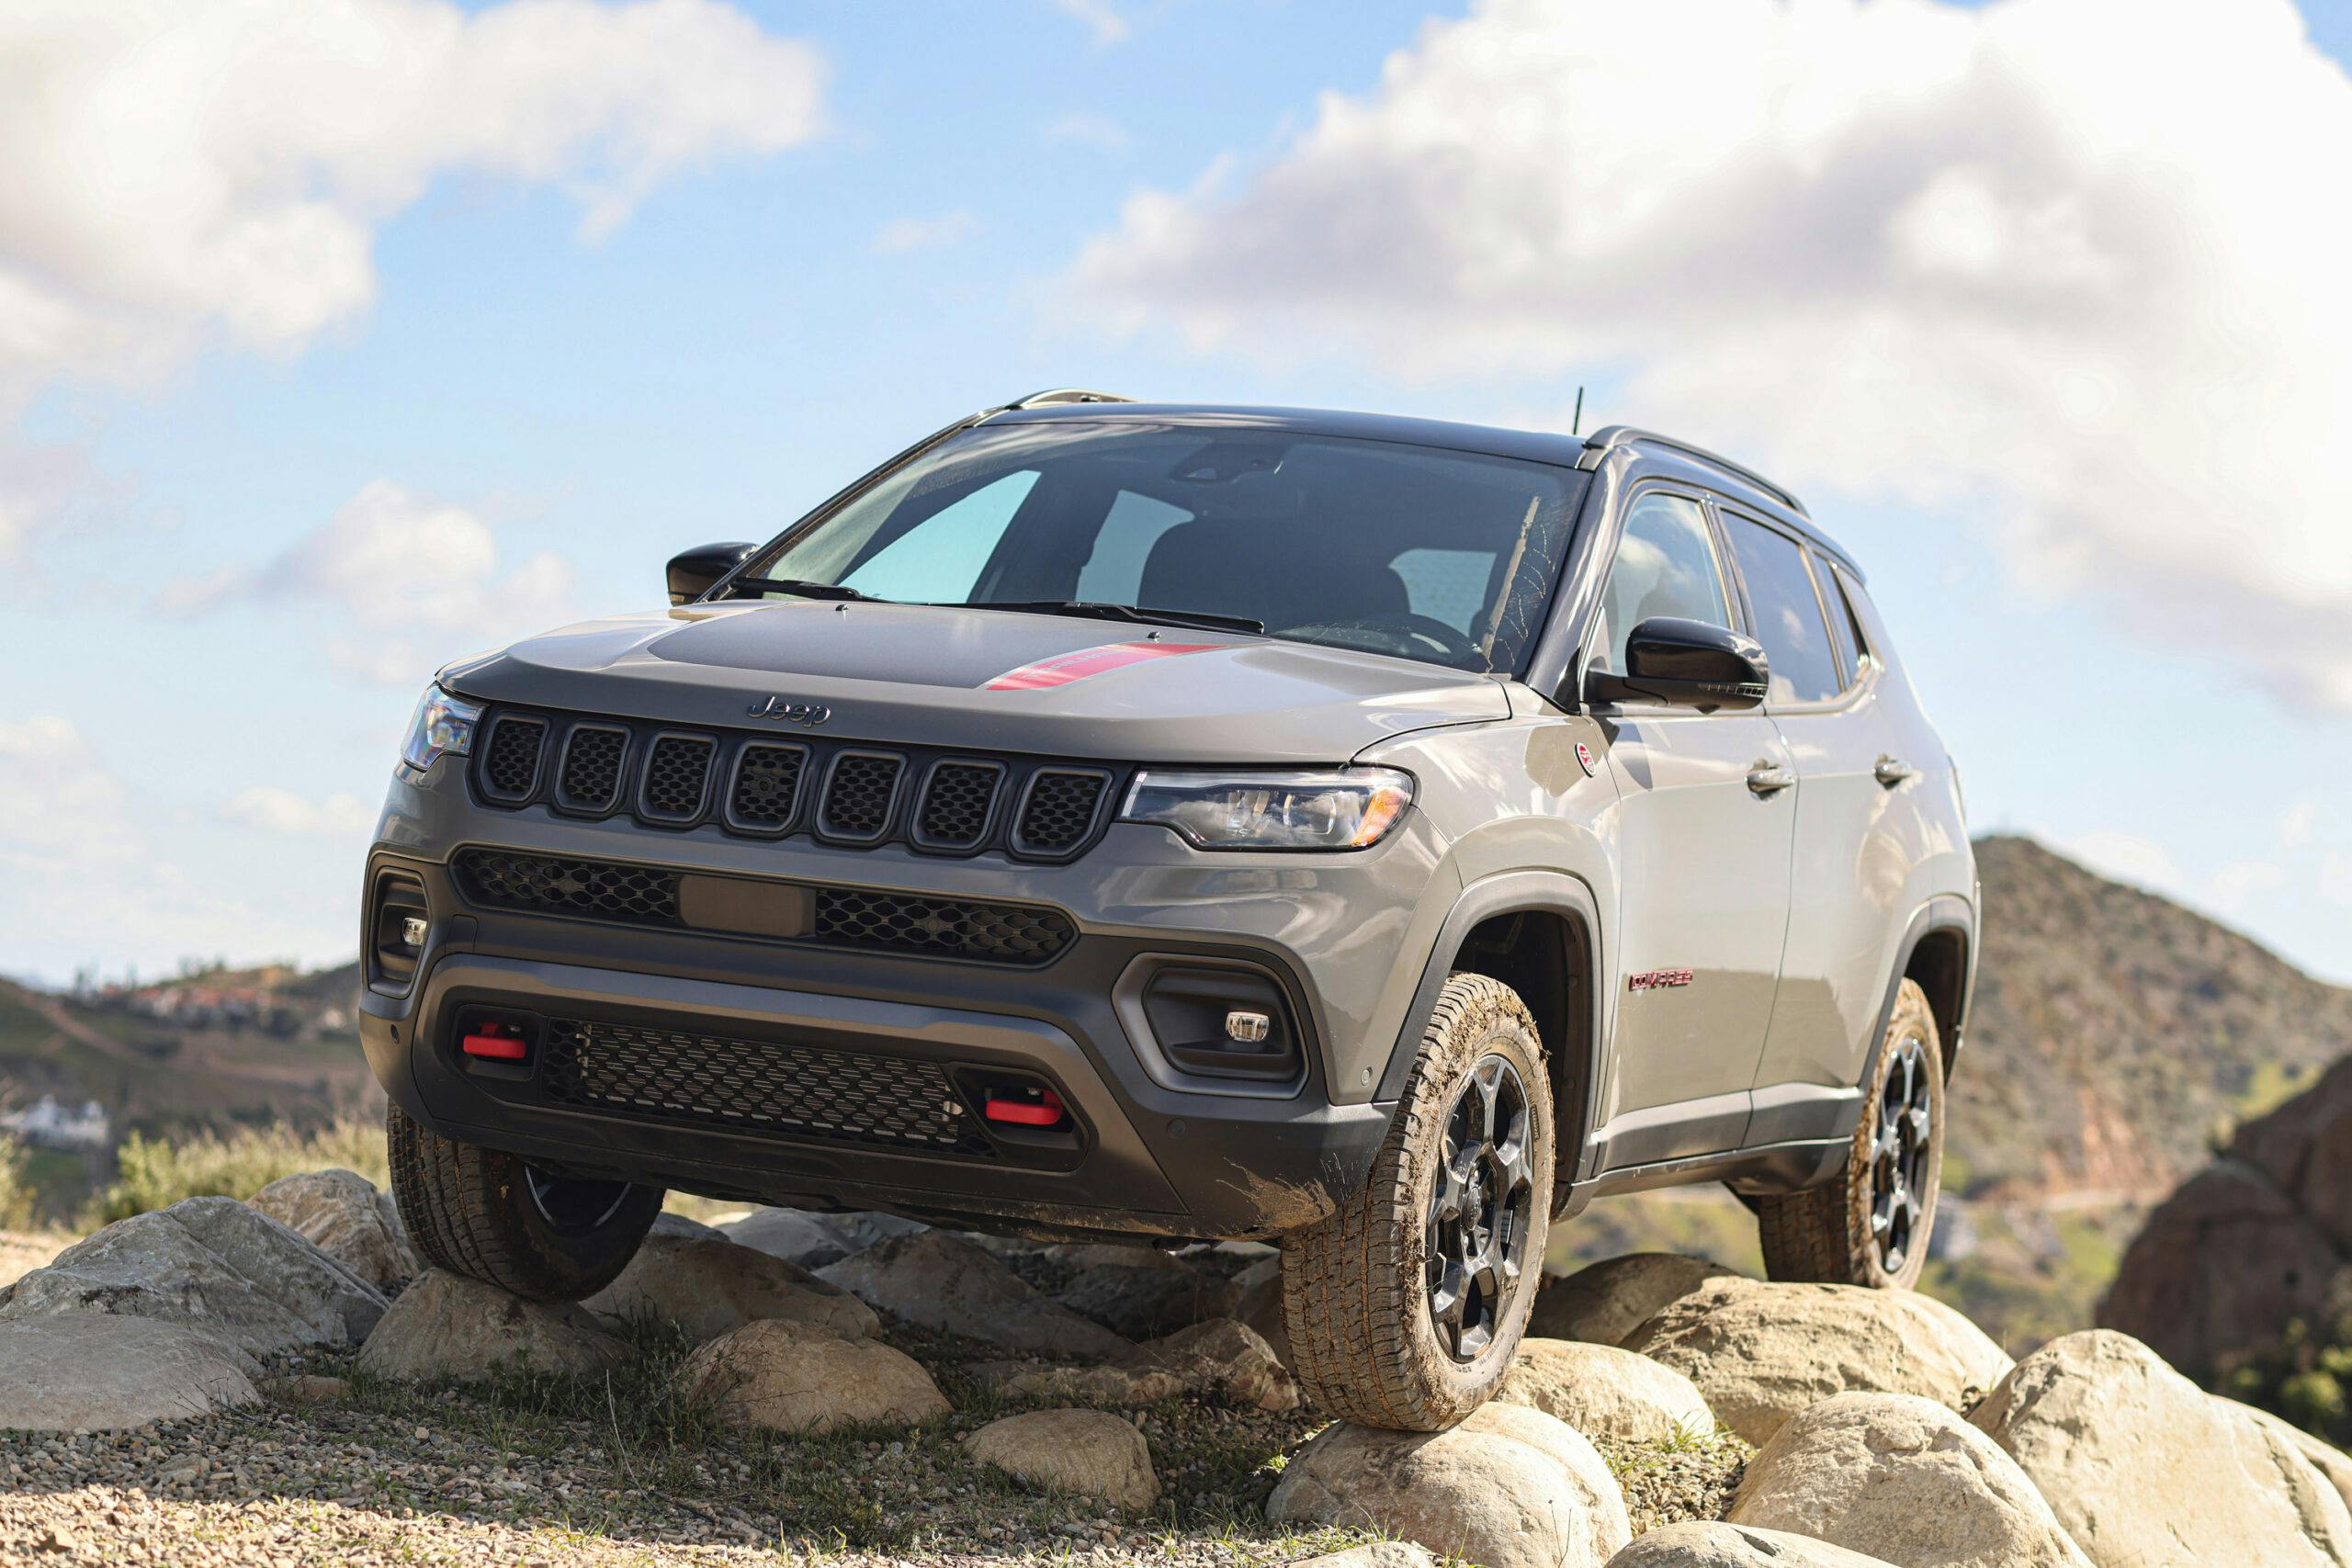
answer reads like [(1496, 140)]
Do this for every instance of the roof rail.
[(1053, 395), (1597, 446)]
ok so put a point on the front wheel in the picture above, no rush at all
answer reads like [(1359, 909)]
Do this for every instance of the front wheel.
[(1871, 1225), (488, 1215), (1405, 1307)]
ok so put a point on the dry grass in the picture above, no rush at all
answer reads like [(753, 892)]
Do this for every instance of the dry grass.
[(154, 1173)]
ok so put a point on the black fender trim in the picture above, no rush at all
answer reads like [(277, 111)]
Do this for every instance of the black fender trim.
[(1512, 893)]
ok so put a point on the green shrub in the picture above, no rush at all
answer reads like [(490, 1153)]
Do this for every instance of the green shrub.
[(157, 1171), (2304, 1378), (17, 1195)]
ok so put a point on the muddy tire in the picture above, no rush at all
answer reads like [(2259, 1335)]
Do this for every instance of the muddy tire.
[(487, 1214), (1405, 1306), (1871, 1225)]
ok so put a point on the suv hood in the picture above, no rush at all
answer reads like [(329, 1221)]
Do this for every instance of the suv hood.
[(989, 679)]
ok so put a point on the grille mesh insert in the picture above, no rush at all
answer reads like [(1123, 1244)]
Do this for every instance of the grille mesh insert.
[(675, 775), (843, 917), (851, 916), (767, 783), (956, 805), (1059, 811), (590, 779), (795, 1091), (632, 895), (510, 763), (857, 795)]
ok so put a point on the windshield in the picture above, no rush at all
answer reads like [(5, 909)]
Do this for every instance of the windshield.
[(1440, 556)]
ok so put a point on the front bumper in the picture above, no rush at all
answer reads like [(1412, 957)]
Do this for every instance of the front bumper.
[(1149, 1157)]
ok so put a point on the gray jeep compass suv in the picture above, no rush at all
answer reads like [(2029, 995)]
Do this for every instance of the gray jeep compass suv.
[(1374, 835)]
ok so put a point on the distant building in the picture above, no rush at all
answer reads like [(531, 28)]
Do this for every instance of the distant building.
[(53, 1125)]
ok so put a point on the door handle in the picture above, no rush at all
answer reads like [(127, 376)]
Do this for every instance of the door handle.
[(1770, 778), (1892, 770)]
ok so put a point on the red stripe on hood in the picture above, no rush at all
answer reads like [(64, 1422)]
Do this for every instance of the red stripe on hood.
[(1065, 668)]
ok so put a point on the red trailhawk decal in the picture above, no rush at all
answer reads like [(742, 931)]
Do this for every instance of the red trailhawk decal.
[(1657, 980), (1064, 668)]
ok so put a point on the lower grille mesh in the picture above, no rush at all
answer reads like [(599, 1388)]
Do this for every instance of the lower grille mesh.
[(842, 917), (797, 1092)]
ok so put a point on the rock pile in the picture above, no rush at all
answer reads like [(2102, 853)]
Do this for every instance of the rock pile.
[(1888, 1429)]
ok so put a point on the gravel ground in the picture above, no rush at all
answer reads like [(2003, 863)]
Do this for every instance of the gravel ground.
[(338, 1467)]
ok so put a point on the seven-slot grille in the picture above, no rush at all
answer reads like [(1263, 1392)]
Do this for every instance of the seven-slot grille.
[(934, 801), (789, 1090), (837, 917)]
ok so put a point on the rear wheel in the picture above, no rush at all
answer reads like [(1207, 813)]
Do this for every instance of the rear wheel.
[(488, 1215), (1871, 1225), (1405, 1307)]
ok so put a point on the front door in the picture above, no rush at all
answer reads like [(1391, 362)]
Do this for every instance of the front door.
[(1704, 827)]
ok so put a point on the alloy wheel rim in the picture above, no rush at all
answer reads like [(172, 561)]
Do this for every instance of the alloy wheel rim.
[(573, 1205), (1900, 1150), (1480, 1209)]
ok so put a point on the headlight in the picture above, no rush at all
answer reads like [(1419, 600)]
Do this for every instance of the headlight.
[(443, 723), (1342, 808)]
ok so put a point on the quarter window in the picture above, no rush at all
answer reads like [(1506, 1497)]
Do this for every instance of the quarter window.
[(1788, 612), (1665, 565)]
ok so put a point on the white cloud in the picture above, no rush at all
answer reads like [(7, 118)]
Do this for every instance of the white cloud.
[(2238, 883), (2042, 265), (1088, 130), (903, 235), (185, 172), (287, 815), (1099, 17), (2295, 827), (391, 565), (59, 806)]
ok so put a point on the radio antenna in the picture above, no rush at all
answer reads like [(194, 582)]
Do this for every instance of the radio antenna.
[(1575, 423)]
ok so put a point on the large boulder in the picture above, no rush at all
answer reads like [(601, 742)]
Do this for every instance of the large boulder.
[(1372, 1554), (1510, 1487), (798, 1377), (2142, 1466), (708, 1287), (93, 1372), (1901, 1478), (1142, 1300), (1109, 1383), (446, 1325), (1710, 1545), (941, 1281), (343, 1214), (1260, 1305), (210, 1264), (1090, 1453), (797, 1238), (1760, 1352), (1604, 1392), (2226, 1262), (1224, 1357), (1605, 1302), (2333, 1463)]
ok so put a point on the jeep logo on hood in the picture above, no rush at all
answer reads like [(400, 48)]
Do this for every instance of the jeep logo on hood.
[(789, 712)]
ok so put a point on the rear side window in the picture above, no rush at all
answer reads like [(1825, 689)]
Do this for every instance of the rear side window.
[(1788, 612), (1665, 565)]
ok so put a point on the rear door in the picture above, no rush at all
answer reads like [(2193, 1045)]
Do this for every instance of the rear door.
[(1703, 830), (1850, 864)]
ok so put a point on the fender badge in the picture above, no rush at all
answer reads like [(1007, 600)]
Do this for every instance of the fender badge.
[(1657, 980), (1584, 755)]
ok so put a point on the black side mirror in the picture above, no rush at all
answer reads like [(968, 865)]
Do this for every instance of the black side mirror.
[(692, 574), (1686, 664)]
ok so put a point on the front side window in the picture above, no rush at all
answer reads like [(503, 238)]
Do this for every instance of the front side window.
[(1418, 552), (1788, 612), (1665, 565)]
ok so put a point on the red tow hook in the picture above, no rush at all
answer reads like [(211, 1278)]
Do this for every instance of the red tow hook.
[(487, 1041), (1045, 1111)]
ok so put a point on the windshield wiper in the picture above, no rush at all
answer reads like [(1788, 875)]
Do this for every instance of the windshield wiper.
[(1102, 612), (807, 590)]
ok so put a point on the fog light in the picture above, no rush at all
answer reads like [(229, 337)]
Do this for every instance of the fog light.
[(1248, 1028), (412, 930)]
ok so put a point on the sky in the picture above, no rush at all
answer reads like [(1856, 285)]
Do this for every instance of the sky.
[(341, 338)]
